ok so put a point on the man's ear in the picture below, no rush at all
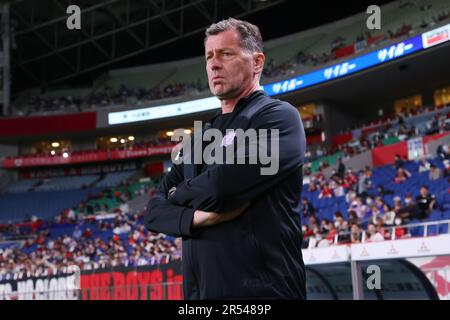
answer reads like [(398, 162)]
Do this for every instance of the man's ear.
[(259, 58)]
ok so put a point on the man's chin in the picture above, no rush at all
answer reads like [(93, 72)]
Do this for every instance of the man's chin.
[(220, 94)]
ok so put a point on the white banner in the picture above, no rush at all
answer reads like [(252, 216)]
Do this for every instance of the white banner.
[(403, 248), (165, 111), (415, 149), (340, 253)]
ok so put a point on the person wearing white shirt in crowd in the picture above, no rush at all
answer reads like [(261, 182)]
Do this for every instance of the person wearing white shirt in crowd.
[(372, 234), (359, 207), (435, 173), (424, 165)]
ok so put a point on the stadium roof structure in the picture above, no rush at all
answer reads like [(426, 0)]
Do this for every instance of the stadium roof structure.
[(123, 33), (46, 52)]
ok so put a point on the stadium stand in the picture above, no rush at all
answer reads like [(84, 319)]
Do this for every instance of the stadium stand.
[(347, 209), (294, 54)]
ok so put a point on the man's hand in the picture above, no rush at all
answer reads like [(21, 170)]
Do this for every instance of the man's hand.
[(208, 219)]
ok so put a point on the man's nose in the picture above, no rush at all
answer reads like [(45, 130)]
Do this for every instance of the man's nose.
[(214, 63)]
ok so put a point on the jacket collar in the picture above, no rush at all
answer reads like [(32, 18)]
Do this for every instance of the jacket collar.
[(242, 101)]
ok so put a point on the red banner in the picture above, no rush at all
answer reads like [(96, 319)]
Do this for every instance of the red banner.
[(85, 157), (375, 39), (341, 139), (386, 155), (314, 139), (152, 282), (140, 153), (31, 161), (161, 282), (345, 51), (44, 173), (31, 126)]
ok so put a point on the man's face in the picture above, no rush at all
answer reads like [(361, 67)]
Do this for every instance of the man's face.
[(229, 67)]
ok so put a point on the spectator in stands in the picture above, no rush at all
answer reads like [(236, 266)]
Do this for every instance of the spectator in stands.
[(381, 226), (353, 218), (77, 233), (307, 233), (397, 204), (373, 235), (176, 254), (374, 214), (442, 151), (351, 177), (364, 183), (369, 201), (447, 168), (312, 185), (355, 233), (313, 221), (435, 173), (330, 236), (409, 209), (325, 191), (424, 165), (382, 191), (389, 217), (350, 196), (398, 161), (307, 209), (425, 203), (337, 187), (325, 226), (340, 223), (316, 237), (382, 207), (401, 175), (341, 169), (87, 233), (400, 232), (359, 208)]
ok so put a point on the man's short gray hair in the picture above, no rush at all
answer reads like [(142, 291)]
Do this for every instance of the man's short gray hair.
[(251, 39)]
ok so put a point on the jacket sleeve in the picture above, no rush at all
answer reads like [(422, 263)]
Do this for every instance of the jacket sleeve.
[(164, 216), (224, 187)]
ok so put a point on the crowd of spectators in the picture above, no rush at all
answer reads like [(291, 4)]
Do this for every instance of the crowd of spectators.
[(130, 245), (42, 104), (105, 237), (392, 126), (100, 238), (361, 41), (370, 218), (107, 96)]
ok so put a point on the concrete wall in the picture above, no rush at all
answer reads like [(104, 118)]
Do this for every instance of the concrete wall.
[(432, 146), (357, 163)]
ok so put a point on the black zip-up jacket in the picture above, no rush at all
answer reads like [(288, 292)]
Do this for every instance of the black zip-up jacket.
[(257, 255)]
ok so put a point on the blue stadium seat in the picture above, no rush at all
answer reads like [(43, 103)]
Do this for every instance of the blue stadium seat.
[(42, 204)]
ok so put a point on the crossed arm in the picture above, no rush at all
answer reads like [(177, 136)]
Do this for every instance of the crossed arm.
[(181, 221), (224, 191)]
